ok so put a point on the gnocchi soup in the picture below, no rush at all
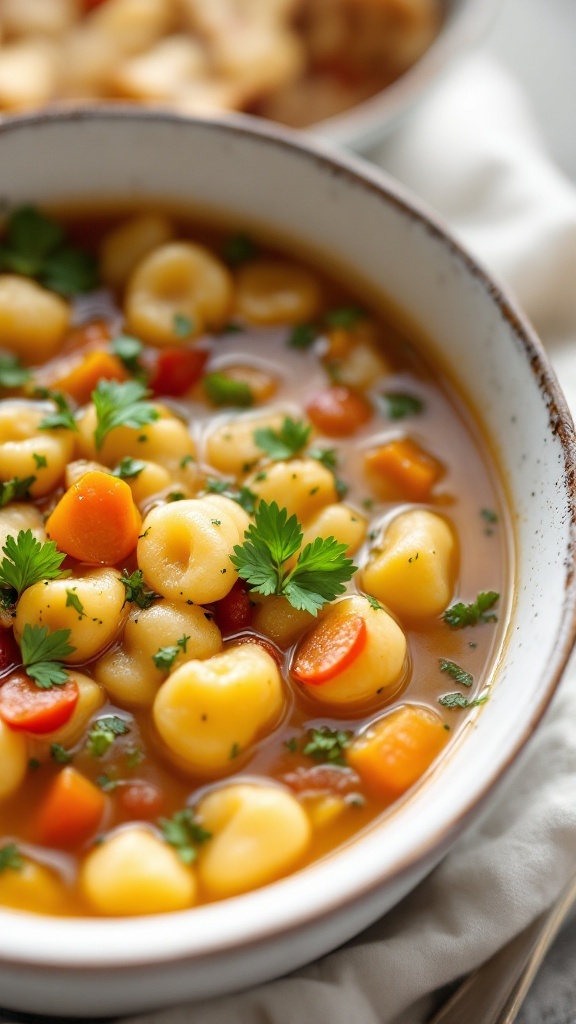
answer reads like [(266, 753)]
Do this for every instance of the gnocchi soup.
[(254, 553)]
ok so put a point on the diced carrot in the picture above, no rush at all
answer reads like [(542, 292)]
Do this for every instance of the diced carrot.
[(396, 750), (235, 611), (71, 811), (96, 520), (78, 375), (25, 706), (328, 648), (338, 411), (404, 467), (176, 370)]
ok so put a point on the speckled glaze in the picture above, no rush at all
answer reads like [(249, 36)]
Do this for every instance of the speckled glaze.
[(336, 205), (465, 24)]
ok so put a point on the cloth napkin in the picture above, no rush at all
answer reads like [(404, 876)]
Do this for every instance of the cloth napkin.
[(472, 152)]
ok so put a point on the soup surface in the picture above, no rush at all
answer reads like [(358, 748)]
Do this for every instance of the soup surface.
[(296, 61), (253, 553)]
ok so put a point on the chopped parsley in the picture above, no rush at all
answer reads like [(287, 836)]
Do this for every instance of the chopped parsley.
[(224, 390), (121, 405), (329, 458), (73, 601), (458, 700), (36, 246), (103, 733), (128, 468), (136, 590), (184, 833), (459, 675), (27, 561), (42, 654), (398, 405), (302, 336), (107, 785), (15, 489), (40, 460), (243, 496), (12, 373), (182, 325), (62, 417), (345, 316), (488, 515), (374, 603), (461, 615), (284, 443), (239, 249), (320, 572), (129, 350), (166, 656), (327, 745), (11, 858), (59, 754)]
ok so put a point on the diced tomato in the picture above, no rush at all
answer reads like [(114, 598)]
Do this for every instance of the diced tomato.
[(234, 612), (27, 707), (9, 651), (253, 638), (72, 810), (141, 800), (176, 370), (328, 648), (338, 411)]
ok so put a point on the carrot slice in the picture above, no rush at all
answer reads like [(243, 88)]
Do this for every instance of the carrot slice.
[(338, 411), (25, 706), (405, 466), (329, 648), (78, 376), (71, 811), (96, 520), (396, 751)]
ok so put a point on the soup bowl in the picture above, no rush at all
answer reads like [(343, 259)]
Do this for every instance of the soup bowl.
[(370, 230)]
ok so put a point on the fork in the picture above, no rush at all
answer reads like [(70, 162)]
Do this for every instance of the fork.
[(495, 992)]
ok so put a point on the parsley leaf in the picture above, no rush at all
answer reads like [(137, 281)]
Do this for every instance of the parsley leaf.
[(121, 405), (459, 675), (238, 249), (35, 245), (128, 350), (42, 652), (103, 733), (281, 444), (15, 489), (182, 325), (302, 336), (10, 857), (345, 316), (136, 590), (63, 417), (458, 700), (59, 754), (128, 468), (166, 656), (242, 495), (374, 603), (319, 573), (327, 744), (73, 601), (461, 615), (184, 833), (329, 458), (12, 373), (224, 390), (399, 405), (28, 561)]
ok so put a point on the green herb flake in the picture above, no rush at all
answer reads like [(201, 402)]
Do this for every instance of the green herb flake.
[(461, 615), (165, 657), (136, 590), (106, 784), (12, 373), (42, 652), (238, 249), (327, 745), (284, 443), (184, 833), (59, 754), (234, 751), (223, 390), (302, 336), (182, 325), (134, 757), (458, 700), (121, 405), (15, 489), (345, 317), (243, 496), (10, 858), (398, 405), (374, 603), (459, 675), (40, 460), (320, 572), (36, 246), (129, 350), (128, 468), (103, 733), (73, 601), (186, 460), (63, 417), (291, 745)]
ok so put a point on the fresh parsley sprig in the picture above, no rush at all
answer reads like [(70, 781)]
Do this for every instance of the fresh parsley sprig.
[(243, 496), (284, 443), (42, 654), (184, 833), (320, 572), (327, 745), (15, 489), (136, 590), (27, 561), (461, 615), (166, 656), (121, 404), (36, 246), (103, 733), (63, 416)]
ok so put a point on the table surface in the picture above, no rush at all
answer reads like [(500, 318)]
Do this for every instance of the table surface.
[(536, 41)]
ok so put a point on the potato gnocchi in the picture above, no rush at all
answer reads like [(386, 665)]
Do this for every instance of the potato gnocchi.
[(252, 552)]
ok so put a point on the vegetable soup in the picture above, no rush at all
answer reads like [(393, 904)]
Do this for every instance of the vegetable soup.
[(253, 552)]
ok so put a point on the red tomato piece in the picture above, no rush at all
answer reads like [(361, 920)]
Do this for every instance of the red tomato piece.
[(338, 411), (141, 800), (9, 651), (328, 648), (176, 370), (234, 612), (25, 706)]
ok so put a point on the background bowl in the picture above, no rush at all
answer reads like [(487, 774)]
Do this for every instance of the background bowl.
[(372, 230)]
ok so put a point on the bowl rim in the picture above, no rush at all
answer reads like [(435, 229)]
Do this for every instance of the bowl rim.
[(93, 943)]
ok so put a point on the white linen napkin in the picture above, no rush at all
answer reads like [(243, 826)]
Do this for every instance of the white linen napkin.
[(472, 152)]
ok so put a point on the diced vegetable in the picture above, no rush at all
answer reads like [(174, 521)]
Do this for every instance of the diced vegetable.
[(96, 520), (329, 648), (396, 750), (72, 810), (24, 705), (405, 467), (79, 377), (338, 411), (176, 370)]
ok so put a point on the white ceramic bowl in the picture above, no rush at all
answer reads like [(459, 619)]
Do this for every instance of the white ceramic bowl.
[(335, 205), (465, 24)]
